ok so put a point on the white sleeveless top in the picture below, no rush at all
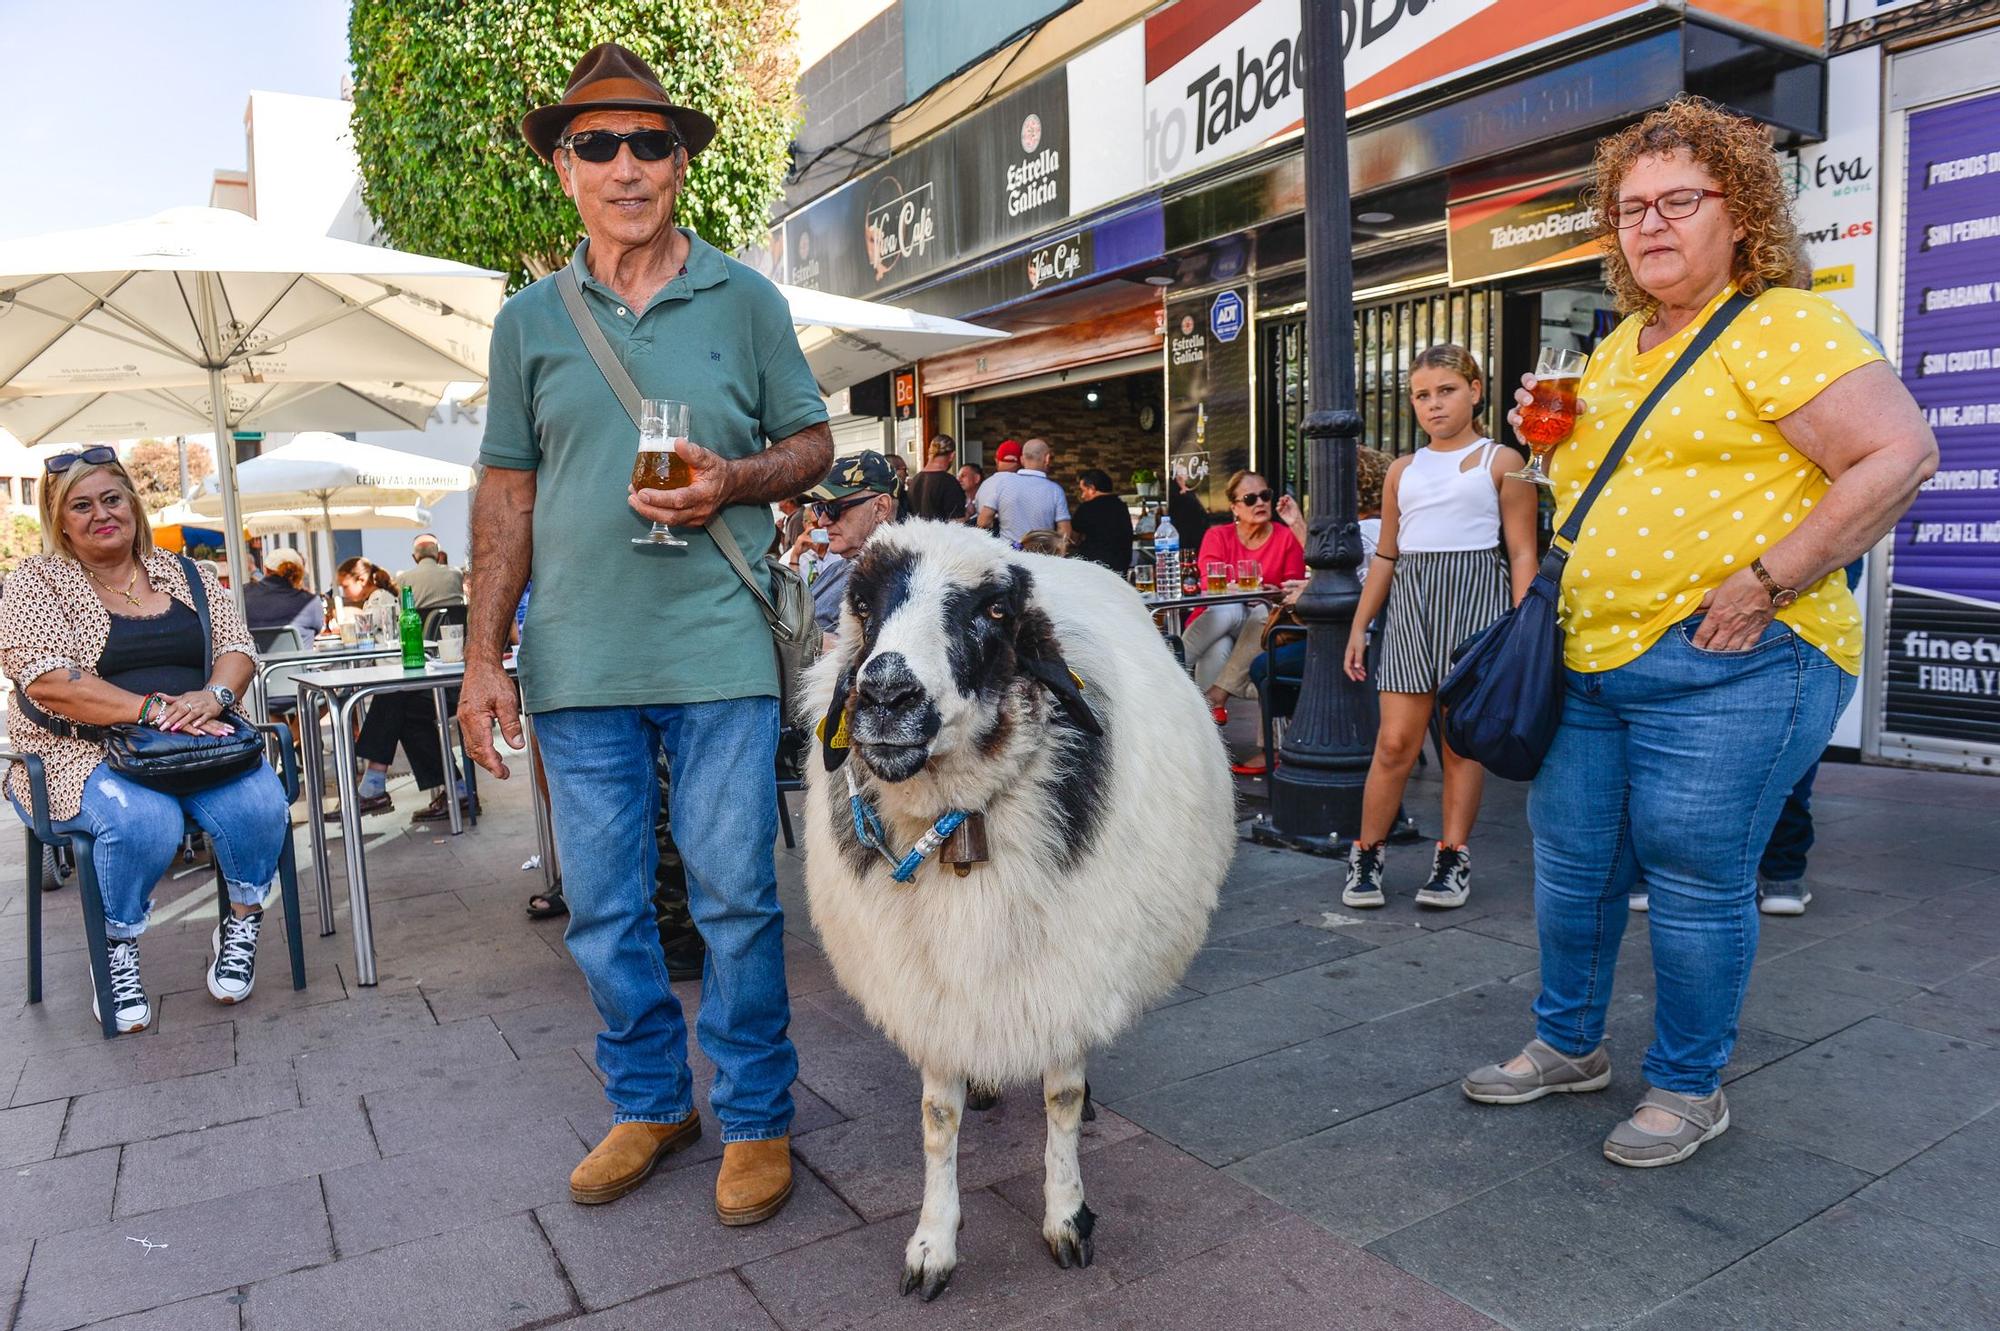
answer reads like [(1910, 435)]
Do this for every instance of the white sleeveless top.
[(1441, 507)]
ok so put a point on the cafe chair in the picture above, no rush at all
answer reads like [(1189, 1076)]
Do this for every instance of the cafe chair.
[(80, 846)]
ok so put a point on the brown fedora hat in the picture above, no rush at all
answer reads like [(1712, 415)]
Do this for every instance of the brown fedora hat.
[(611, 78)]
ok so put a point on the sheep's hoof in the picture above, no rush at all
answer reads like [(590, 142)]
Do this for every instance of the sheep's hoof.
[(926, 1272), (1070, 1243)]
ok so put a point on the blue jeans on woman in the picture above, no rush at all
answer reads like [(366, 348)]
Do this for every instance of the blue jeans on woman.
[(1671, 768), (137, 830), (605, 797)]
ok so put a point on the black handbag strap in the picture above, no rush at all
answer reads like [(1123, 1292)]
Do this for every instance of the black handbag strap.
[(68, 729), (1552, 564)]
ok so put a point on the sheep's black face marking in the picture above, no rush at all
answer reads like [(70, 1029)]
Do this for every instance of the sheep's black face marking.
[(894, 717), (1084, 772), (979, 628)]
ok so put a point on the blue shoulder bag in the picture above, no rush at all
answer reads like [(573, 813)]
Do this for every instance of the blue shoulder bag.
[(1503, 699)]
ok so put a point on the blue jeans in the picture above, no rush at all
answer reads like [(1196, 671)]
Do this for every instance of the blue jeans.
[(724, 806), (1671, 768), (137, 829)]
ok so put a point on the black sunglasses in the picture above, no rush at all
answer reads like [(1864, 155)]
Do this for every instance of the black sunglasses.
[(601, 145), (95, 457), (826, 512), (1254, 497)]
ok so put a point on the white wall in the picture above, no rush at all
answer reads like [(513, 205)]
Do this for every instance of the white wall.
[(452, 436)]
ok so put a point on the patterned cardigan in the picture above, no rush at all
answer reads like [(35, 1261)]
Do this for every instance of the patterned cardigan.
[(50, 619)]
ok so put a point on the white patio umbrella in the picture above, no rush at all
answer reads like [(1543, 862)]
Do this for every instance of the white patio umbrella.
[(322, 475), (848, 340), (207, 313)]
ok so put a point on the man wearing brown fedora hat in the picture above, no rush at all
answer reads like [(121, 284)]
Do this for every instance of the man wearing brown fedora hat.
[(632, 648)]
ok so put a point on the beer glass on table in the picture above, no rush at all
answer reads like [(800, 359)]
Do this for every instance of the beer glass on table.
[(1142, 578), (1217, 574), (663, 428), (1549, 419), (1249, 575)]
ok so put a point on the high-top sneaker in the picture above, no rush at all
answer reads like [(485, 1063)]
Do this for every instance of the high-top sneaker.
[(1364, 877), (1451, 878), (233, 972), (128, 996)]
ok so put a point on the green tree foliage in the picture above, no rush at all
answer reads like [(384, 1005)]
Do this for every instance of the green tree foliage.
[(441, 86), (20, 536)]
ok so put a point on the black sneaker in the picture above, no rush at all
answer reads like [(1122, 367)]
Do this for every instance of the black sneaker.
[(130, 1010), (233, 972), (1451, 879), (1364, 877)]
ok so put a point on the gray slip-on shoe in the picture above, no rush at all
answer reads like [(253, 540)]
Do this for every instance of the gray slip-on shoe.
[(1631, 1145), (1553, 1071)]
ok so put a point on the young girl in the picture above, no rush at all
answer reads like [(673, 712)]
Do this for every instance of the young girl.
[(1439, 563)]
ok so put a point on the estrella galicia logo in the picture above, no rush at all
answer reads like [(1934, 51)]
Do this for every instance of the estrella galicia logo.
[(1225, 316)]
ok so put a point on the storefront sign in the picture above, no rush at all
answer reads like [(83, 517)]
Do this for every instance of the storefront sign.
[(1835, 186), (903, 394), (1208, 393), (1058, 261), (1943, 636), (1538, 226)]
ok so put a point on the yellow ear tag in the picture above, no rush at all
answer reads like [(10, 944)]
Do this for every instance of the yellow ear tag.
[(1074, 678), (840, 740)]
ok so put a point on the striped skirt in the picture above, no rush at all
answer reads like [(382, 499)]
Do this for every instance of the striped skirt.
[(1439, 599)]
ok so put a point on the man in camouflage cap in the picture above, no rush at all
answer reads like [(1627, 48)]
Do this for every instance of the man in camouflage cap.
[(856, 497)]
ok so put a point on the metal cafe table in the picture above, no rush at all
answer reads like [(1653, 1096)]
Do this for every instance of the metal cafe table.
[(268, 663), (1170, 611), (341, 692)]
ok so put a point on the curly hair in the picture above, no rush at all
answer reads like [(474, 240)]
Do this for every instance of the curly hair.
[(1737, 152)]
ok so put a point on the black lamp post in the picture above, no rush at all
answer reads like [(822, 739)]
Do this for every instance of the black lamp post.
[(1323, 764)]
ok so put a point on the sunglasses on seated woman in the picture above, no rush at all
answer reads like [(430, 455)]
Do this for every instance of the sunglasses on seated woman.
[(95, 457), (1249, 497), (601, 145)]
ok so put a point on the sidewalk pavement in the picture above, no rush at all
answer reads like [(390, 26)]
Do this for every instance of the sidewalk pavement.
[(1281, 1143)]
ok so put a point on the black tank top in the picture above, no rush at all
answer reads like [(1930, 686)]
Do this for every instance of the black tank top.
[(155, 654)]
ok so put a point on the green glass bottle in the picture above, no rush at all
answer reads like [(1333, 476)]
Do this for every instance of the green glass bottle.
[(412, 626)]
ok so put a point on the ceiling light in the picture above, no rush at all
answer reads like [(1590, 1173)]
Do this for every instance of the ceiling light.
[(1091, 396), (1159, 280), (1375, 217)]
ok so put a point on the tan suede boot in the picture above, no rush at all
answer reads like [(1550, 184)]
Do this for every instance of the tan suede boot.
[(627, 1155), (755, 1182)]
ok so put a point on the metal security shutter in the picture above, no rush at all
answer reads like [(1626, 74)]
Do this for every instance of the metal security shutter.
[(852, 434)]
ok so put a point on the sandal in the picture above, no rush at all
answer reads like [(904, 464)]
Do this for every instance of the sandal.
[(1641, 1148), (547, 905)]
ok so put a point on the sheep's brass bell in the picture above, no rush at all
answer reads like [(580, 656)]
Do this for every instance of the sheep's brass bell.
[(966, 846)]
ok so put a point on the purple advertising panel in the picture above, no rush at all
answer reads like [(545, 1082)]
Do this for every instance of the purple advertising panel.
[(1944, 607)]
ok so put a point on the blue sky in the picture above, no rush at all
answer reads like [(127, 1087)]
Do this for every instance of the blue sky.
[(119, 108)]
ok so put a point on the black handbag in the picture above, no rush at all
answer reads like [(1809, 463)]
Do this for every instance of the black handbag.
[(1503, 699), (172, 762)]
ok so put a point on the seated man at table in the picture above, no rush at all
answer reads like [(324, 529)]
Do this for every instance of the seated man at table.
[(409, 719)]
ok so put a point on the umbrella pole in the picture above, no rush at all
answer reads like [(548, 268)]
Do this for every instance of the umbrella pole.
[(225, 443)]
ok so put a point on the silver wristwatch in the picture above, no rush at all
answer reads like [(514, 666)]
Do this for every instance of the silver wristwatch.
[(223, 694)]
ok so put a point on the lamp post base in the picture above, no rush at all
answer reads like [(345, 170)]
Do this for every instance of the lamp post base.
[(1263, 832)]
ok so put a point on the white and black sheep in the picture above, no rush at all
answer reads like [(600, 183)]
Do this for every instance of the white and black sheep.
[(1036, 692)]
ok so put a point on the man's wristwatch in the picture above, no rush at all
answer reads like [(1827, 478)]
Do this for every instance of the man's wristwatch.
[(1781, 597), (224, 695)]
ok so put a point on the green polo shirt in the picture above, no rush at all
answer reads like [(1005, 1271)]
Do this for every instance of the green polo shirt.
[(612, 624)]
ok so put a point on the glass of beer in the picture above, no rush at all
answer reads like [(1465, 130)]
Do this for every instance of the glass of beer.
[(1142, 578), (1548, 420), (1216, 572), (663, 428), (1249, 575)]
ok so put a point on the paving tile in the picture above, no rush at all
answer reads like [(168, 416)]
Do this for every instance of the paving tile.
[(858, 1075), (876, 1164), (50, 1196), (220, 1162), (1292, 1274), (1854, 1265), (851, 1280), (123, 1062), (179, 1104), (1259, 954), (1156, 1206), (451, 1185), (478, 977), (486, 1278), (1387, 1170), (1919, 953), (717, 1303), (543, 1028), (1967, 1007), (1389, 979), (1871, 1096), (665, 1233), (1205, 1032), (340, 1072), (470, 1102), (1835, 909), (13, 1270), (1950, 1185), (31, 1132), (90, 1274), (212, 1312), (1611, 1243), (1796, 996), (369, 1015), (1252, 1106), (1245, 906)]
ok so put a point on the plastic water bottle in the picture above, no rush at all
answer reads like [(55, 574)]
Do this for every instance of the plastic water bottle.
[(1166, 557)]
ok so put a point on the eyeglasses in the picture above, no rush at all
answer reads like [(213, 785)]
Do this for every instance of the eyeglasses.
[(1254, 497), (601, 145), (1672, 206), (830, 512), (95, 457)]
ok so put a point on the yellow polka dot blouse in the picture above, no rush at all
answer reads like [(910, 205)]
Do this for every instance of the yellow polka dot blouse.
[(1709, 484)]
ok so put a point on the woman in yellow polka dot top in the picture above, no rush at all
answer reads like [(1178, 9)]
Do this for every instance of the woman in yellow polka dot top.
[(1711, 642)]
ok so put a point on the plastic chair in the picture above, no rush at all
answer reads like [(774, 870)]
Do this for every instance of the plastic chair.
[(82, 846)]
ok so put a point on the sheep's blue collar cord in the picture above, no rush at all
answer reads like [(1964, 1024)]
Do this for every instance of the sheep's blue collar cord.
[(869, 832)]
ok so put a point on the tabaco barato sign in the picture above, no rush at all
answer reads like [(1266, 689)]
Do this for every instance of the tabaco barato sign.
[(1518, 230)]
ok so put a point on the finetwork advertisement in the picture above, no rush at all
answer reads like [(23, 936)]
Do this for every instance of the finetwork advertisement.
[(1944, 609)]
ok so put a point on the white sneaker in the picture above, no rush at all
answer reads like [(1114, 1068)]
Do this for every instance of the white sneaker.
[(232, 968), (1639, 901), (128, 995), (1775, 898), (1364, 877)]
